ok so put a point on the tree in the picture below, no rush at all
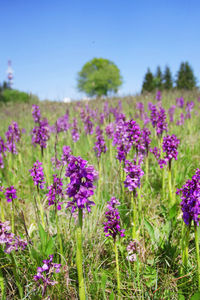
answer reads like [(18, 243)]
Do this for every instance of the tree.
[(158, 80), (149, 82), (98, 77), (167, 79), (185, 77)]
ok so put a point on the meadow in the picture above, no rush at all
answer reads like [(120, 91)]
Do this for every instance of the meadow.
[(90, 193)]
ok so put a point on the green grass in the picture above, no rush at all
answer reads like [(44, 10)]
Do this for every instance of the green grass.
[(156, 273)]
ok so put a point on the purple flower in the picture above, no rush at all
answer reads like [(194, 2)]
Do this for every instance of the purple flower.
[(74, 131), (45, 273), (133, 176), (55, 192), (80, 188), (181, 121), (1, 161), (170, 145), (36, 113), (66, 154), (158, 96), (161, 122), (171, 112), (110, 129), (180, 102), (10, 193), (189, 107), (112, 225), (190, 195), (12, 135), (11, 242), (134, 248), (62, 124), (37, 174), (88, 125), (40, 134), (3, 147), (100, 145)]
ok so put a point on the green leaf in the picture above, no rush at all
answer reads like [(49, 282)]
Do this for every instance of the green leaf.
[(196, 296), (172, 211), (49, 247), (112, 296), (103, 281), (150, 230), (43, 237)]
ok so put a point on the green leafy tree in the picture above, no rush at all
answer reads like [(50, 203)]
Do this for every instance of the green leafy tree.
[(149, 82), (167, 79), (99, 77), (158, 79), (185, 77)]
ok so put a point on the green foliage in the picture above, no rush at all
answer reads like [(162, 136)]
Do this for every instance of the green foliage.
[(167, 79), (149, 82), (158, 80), (98, 77), (185, 77), (10, 95)]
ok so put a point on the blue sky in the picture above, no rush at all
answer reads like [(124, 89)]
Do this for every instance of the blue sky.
[(49, 41)]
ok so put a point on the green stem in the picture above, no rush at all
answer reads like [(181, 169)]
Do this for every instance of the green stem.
[(147, 168), (2, 212), (117, 268), (41, 208), (185, 244), (163, 183), (197, 253), (13, 217), (134, 216), (170, 187), (2, 285), (17, 278), (139, 204), (59, 235), (79, 257)]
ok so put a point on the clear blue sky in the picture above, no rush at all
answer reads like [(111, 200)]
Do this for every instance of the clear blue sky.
[(49, 41)]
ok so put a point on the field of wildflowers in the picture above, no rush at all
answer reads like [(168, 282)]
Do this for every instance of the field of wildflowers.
[(101, 200)]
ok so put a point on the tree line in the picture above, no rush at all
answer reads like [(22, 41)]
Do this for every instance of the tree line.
[(184, 79)]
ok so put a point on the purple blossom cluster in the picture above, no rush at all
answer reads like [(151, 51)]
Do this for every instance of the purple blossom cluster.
[(81, 187), (190, 196), (41, 134), (133, 175), (181, 121), (13, 136), (134, 249), (38, 174), (127, 134), (188, 108), (10, 193), (158, 96), (75, 131), (88, 125), (180, 102), (170, 146), (100, 145), (9, 240), (66, 154), (36, 113), (46, 272), (3, 150), (110, 129), (55, 192), (62, 124), (112, 225), (158, 119), (171, 112)]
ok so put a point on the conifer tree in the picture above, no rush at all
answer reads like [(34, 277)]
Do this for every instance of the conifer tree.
[(167, 79), (158, 80), (185, 77), (148, 83)]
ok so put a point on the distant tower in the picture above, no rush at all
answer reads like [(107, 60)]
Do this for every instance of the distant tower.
[(10, 74)]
